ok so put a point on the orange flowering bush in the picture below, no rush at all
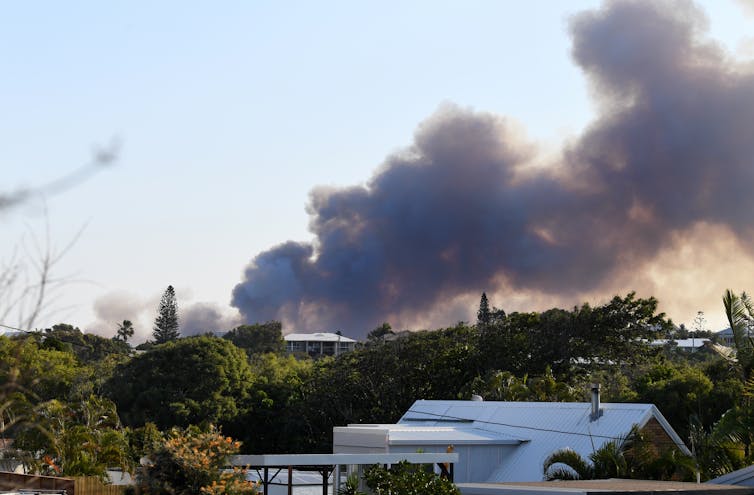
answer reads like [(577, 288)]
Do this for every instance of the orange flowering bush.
[(191, 461)]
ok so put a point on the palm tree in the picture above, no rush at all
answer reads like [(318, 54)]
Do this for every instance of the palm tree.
[(715, 453), (740, 313), (737, 424), (607, 461), (125, 330), (634, 456), (570, 466)]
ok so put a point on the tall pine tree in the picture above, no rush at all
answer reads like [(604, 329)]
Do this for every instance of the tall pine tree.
[(483, 316), (166, 323)]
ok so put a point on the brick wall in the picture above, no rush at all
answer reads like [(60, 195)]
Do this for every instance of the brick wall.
[(657, 435)]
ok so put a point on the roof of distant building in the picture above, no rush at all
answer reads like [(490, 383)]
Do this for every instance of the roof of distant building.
[(316, 337), (728, 333), (682, 343)]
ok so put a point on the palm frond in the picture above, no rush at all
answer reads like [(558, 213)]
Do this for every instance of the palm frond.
[(739, 310), (562, 473), (567, 464), (609, 461), (735, 311)]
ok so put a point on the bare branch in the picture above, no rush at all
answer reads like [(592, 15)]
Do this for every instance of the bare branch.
[(102, 156)]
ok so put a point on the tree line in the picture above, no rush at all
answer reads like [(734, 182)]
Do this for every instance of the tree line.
[(63, 389)]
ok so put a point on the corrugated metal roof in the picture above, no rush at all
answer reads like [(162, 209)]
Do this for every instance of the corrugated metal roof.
[(548, 426), (743, 476)]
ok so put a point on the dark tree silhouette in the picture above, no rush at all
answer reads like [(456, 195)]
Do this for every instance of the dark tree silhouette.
[(483, 315), (166, 323), (125, 330)]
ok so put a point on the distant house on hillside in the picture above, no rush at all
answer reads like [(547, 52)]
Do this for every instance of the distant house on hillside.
[(726, 336), (505, 441), (688, 345), (318, 344)]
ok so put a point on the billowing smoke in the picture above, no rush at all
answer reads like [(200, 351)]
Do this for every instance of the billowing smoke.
[(465, 209), (194, 318), (200, 318)]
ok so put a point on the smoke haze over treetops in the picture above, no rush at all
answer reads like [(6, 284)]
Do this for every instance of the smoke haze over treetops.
[(470, 207)]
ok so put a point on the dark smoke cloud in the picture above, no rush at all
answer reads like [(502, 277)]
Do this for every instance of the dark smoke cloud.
[(201, 318), (463, 210)]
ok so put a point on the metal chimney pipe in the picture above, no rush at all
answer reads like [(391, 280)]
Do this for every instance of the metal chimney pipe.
[(596, 410)]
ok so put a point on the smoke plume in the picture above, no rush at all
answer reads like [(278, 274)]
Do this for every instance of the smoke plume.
[(464, 209), (194, 318)]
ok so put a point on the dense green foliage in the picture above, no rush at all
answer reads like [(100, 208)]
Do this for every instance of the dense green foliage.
[(80, 438), (573, 342), (274, 403), (273, 420), (259, 338), (87, 347), (196, 380)]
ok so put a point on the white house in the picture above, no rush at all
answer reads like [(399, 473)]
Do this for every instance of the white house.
[(505, 441), (688, 345), (318, 344)]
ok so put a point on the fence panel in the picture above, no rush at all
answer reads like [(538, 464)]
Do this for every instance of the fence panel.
[(93, 486)]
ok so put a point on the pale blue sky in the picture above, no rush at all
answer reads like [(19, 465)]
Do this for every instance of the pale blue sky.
[(229, 113)]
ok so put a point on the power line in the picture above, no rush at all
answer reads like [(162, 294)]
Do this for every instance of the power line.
[(16, 328), (534, 428)]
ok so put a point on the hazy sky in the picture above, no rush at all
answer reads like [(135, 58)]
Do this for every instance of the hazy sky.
[(230, 113)]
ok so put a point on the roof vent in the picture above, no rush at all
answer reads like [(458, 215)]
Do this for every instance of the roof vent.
[(477, 398), (596, 409)]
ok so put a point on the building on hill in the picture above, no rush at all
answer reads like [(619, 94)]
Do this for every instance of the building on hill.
[(318, 344), (506, 441), (687, 345), (726, 336)]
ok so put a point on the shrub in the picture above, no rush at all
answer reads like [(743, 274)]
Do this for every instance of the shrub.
[(408, 479), (190, 461)]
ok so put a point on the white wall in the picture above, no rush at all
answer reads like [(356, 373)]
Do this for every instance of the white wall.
[(475, 462)]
